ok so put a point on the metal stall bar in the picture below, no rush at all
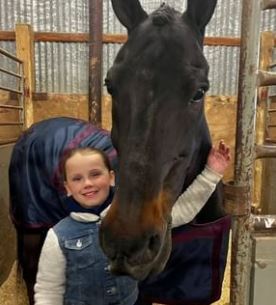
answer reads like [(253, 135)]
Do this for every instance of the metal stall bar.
[(10, 90), (10, 73), (242, 223), (266, 78), (265, 151), (11, 56)]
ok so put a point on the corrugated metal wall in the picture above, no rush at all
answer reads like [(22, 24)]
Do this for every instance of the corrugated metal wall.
[(63, 67)]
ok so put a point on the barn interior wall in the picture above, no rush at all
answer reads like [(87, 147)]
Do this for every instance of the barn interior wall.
[(220, 113), (55, 105), (222, 126), (7, 232)]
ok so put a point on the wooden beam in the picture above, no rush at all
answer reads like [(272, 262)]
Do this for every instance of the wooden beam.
[(222, 41), (25, 52), (77, 37), (64, 37), (7, 35), (109, 38), (114, 38), (61, 37)]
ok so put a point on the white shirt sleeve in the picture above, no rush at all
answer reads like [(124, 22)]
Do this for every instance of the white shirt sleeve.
[(50, 280), (194, 198)]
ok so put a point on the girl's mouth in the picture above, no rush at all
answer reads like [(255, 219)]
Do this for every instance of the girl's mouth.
[(90, 194)]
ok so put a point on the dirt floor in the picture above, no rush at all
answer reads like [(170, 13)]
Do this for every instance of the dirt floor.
[(13, 291)]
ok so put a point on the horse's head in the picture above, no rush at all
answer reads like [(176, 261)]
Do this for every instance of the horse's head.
[(157, 84)]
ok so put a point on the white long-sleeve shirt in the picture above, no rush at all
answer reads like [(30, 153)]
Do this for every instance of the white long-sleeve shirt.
[(50, 282)]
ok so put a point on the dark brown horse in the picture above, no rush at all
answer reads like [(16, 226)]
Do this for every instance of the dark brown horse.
[(158, 82)]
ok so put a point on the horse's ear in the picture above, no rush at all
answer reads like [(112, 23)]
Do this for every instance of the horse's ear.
[(199, 12), (129, 12)]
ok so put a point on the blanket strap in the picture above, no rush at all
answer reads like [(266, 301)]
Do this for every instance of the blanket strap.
[(235, 200)]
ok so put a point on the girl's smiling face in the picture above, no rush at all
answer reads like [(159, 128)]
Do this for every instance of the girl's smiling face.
[(88, 179)]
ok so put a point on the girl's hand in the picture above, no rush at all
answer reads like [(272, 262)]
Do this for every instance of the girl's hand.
[(219, 158)]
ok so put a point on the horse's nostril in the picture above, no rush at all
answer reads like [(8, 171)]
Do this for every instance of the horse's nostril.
[(154, 243)]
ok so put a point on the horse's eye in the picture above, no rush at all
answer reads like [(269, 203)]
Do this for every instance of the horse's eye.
[(108, 85), (198, 96)]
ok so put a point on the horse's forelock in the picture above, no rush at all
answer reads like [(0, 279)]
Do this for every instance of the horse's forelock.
[(164, 15)]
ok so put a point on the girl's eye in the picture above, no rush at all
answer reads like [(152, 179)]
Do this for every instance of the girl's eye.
[(76, 178), (95, 174)]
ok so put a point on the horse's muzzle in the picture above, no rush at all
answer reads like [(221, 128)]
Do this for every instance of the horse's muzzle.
[(138, 258)]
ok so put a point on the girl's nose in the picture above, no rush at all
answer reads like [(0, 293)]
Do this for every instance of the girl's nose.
[(88, 182)]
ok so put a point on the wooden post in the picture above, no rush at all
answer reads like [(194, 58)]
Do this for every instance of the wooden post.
[(25, 52), (95, 61)]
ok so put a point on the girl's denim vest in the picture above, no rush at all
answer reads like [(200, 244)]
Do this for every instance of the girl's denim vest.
[(88, 279)]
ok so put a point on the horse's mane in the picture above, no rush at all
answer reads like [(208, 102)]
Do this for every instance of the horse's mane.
[(163, 15)]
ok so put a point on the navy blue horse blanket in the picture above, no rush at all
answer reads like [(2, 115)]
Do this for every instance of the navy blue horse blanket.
[(194, 272)]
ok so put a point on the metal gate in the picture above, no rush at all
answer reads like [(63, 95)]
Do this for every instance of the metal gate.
[(12, 109)]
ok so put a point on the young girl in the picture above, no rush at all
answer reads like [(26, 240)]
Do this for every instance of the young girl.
[(73, 269)]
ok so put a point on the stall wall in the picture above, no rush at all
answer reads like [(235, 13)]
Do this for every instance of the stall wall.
[(55, 105), (8, 115), (220, 112), (7, 232)]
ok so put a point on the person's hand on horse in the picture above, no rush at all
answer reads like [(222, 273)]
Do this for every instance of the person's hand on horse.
[(219, 158)]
